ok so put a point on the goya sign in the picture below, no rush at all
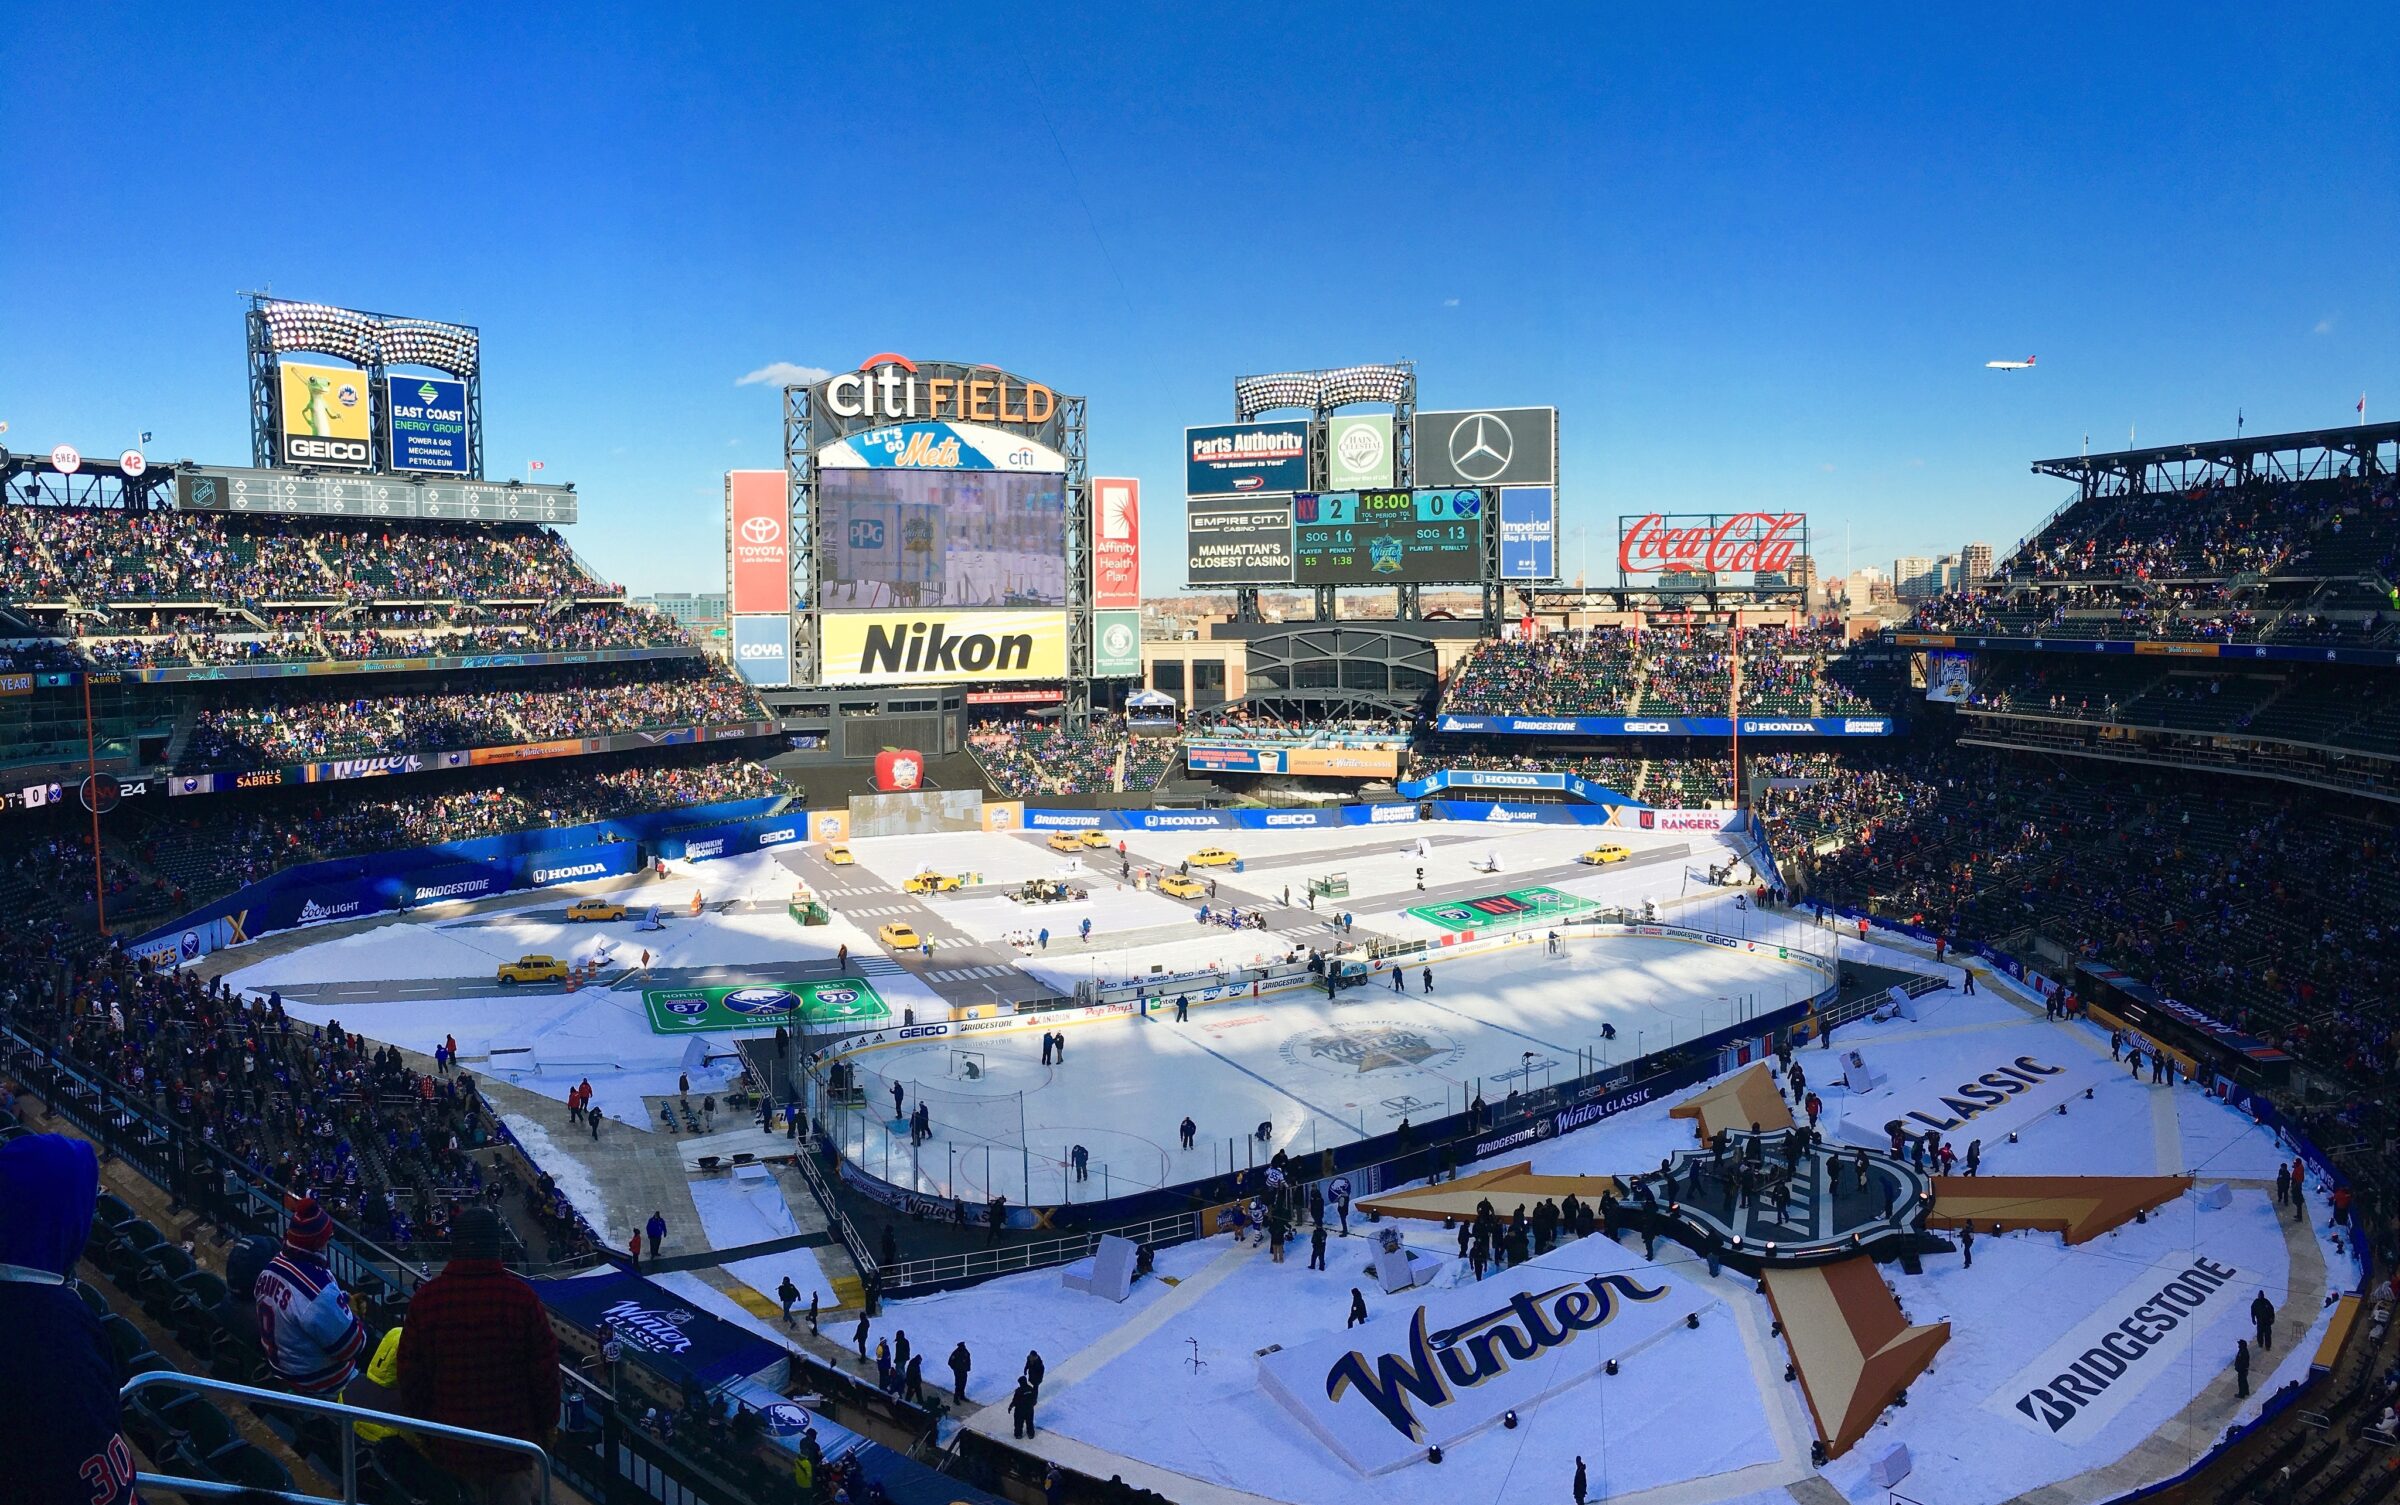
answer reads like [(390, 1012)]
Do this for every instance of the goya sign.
[(763, 1005)]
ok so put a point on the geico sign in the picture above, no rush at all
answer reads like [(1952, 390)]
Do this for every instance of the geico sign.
[(778, 836), (1291, 820), (943, 648), (893, 388), (330, 451)]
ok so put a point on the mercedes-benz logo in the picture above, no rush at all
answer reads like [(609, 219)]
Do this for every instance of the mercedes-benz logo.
[(1480, 447)]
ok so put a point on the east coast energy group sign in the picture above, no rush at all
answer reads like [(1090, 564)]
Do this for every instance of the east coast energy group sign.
[(1381, 1394)]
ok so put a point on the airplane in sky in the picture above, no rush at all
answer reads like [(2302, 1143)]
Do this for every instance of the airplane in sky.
[(2023, 365)]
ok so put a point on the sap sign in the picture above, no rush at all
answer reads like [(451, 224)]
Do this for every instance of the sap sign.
[(762, 649)]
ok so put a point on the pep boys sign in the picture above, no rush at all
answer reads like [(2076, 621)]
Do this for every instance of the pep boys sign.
[(1717, 543)]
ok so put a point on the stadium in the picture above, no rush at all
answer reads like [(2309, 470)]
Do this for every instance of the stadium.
[(1410, 1011)]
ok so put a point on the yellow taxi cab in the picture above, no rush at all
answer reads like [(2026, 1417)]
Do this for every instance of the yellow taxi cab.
[(1094, 838), (1177, 886), (899, 937), (932, 883), (1065, 841), (1603, 856), (1213, 857), (532, 969), (595, 909), (839, 856)]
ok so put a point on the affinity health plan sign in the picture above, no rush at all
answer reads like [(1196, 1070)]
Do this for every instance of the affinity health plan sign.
[(838, 1000), (1519, 906)]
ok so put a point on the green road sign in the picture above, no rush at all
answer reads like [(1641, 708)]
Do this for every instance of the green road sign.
[(763, 1005), (1519, 906)]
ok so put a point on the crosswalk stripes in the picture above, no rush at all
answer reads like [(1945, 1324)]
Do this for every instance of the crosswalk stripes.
[(968, 974)]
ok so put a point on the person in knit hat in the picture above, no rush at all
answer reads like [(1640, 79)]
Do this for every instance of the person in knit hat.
[(478, 1352), (60, 1437), (311, 1337)]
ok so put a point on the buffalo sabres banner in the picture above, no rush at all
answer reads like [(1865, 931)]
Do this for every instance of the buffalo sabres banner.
[(1432, 1373)]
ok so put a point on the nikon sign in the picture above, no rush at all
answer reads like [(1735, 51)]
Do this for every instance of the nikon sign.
[(942, 647)]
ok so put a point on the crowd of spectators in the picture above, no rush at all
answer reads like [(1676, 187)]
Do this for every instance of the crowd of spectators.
[(1583, 671), (275, 724), (1030, 758), (2258, 526), (392, 1151), (1666, 670), (200, 849), (105, 555), (174, 639)]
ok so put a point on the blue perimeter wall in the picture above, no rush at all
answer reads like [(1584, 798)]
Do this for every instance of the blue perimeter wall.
[(348, 887)]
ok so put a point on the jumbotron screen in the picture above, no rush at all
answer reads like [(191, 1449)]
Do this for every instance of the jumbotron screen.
[(915, 538), (1387, 537)]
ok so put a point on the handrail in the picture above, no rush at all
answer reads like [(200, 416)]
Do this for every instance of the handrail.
[(170, 1378)]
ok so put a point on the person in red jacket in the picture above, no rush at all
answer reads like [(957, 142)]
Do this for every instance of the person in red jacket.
[(477, 1351)]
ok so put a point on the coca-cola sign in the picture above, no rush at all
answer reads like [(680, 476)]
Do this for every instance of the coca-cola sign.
[(1716, 543)]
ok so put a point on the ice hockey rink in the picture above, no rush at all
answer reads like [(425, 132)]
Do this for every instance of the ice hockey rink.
[(1314, 1071)]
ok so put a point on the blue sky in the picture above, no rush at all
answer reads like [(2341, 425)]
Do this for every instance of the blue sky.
[(1756, 259)]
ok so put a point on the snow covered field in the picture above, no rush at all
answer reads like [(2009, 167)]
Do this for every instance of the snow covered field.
[(1318, 1071), (1708, 1410)]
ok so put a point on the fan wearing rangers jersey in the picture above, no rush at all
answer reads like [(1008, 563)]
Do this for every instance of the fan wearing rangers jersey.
[(312, 1339)]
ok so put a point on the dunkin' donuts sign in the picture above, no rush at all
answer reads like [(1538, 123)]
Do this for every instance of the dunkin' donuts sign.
[(1714, 543)]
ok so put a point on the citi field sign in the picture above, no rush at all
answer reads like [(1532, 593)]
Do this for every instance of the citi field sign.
[(891, 388), (1717, 543)]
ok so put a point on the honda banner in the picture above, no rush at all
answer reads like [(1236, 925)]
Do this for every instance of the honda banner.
[(758, 554)]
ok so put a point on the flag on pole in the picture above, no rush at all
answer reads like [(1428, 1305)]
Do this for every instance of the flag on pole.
[(532, 465), (145, 436), (2362, 407)]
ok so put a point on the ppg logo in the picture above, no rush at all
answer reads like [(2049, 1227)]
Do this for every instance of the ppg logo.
[(866, 533), (760, 1001)]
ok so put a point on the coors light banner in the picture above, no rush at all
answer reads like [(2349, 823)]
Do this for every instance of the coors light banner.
[(1716, 544)]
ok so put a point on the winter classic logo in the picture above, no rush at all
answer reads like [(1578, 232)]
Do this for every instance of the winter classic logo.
[(755, 1001), (1354, 1049)]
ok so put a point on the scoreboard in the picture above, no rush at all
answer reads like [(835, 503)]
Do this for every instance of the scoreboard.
[(1387, 537)]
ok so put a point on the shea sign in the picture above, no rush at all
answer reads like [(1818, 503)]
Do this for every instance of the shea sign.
[(1433, 1373)]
